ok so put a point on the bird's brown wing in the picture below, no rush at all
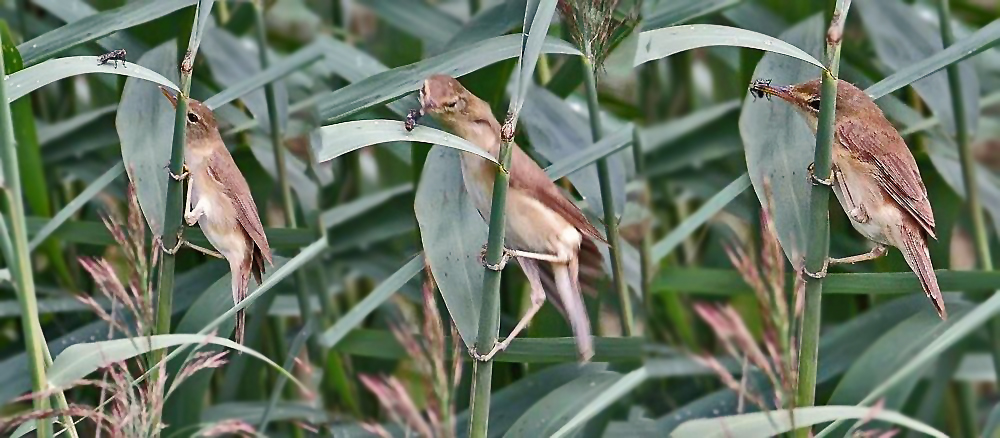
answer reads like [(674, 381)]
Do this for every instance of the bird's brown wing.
[(896, 170), (222, 168), (528, 176)]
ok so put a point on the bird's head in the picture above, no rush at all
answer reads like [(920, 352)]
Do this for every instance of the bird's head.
[(450, 103), (200, 120), (805, 97)]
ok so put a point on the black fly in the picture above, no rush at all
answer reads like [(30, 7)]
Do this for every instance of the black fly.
[(411, 119), (757, 88), (113, 56)]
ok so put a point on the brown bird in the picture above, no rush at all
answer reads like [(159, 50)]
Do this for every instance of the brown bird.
[(874, 177), (541, 224), (218, 200)]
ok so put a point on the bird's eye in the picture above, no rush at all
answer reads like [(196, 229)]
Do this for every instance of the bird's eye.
[(192, 117), (451, 104), (814, 103)]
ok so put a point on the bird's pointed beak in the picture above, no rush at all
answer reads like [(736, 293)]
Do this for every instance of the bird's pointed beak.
[(170, 94), (782, 92)]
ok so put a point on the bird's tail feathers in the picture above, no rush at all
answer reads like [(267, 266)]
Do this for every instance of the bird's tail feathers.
[(241, 285), (914, 248), (568, 290)]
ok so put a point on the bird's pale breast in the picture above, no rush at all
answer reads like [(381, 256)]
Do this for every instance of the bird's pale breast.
[(530, 225)]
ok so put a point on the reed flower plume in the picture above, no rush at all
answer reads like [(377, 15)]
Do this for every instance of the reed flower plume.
[(438, 366), (593, 26), (781, 315), (126, 407)]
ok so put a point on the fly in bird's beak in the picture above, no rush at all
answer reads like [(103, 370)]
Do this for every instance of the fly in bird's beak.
[(785, 93), (170, 94)]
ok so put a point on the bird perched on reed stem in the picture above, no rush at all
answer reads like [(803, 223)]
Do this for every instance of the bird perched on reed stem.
[(541, 224), (218, 200), (874, 177)]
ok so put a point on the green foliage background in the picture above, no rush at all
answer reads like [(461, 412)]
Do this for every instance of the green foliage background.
[(352, 206)]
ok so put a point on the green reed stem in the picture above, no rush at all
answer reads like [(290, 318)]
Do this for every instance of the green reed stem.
[(20, 261), (608, 198), (489, 314), (818, 249)]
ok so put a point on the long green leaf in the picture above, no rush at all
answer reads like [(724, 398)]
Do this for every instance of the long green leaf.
[(75, 205), (452, 233), (78, 361), (550, 413), (767, 424), (145, 123), (339, 139), (40, 75), (729, 282), (379, 295), (582, 158), (381, 344), (777, 163), (715, 204), (391, 84), (428, 23), (983, 39), (660, 43), (901, 37), (655, 368), (97, 26), (670, 13), (957, 331), (295, 61)]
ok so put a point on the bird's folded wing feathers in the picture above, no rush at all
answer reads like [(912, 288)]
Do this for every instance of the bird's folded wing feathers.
[(528, 176), (222, 168), (896, 169)]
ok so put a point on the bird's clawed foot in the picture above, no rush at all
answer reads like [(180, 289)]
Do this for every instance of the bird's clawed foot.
[(820, 274), (504, 258), (184, 173), (498, 347), (182, 242), (816, 181)]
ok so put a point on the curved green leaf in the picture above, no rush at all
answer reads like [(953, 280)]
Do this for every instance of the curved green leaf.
[(339, 139), (983, 39), (40, 75), (657, 136), (234, 62), (892, 349), (778, 143), (549, 414), (901, 38), (511, 402), (767, 424), (278, 70), (424, 21), (75, 205), (660, 43), (391, 84), (97, 26), (379, 295), (957, 330), (715, 204), (452, 233), (145, 125), (78, 361), (582, 158), (655, 368), (675, 12)]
